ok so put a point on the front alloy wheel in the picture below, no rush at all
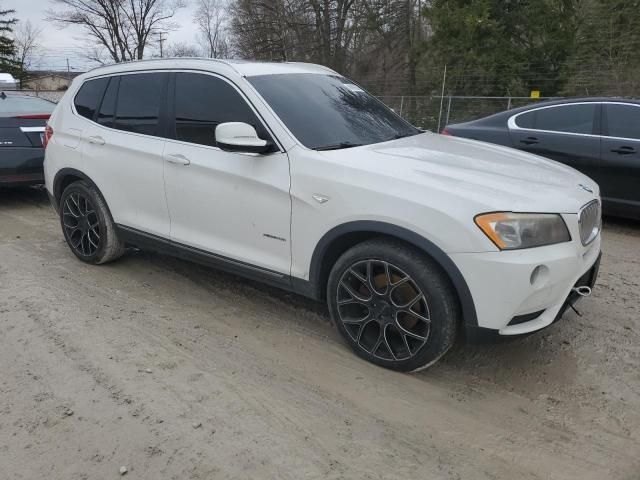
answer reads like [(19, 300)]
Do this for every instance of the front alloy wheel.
[(393, 304), (383, 310)]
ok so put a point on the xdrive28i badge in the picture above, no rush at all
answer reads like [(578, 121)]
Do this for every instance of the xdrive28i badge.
[(585, 188)]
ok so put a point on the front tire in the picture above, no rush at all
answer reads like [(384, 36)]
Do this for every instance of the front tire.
[(87, 225), (393, 305)]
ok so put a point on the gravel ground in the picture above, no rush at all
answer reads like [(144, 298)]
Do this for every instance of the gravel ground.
[(175, 371)]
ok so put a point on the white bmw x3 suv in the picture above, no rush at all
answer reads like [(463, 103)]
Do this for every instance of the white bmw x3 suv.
[(294, 175)]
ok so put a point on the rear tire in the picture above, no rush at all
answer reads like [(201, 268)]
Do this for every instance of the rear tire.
[(393, 305), (87, 225)]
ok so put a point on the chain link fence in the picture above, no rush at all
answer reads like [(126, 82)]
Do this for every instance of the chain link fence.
[(435, 112)]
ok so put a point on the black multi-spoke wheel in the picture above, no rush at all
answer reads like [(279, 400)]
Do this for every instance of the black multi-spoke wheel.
[(393, 304), (383, 310), (87, 224), (81, 224)]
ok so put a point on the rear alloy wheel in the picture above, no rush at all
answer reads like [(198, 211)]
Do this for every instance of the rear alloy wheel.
[(81, 225), (393, 305), (87, 224)]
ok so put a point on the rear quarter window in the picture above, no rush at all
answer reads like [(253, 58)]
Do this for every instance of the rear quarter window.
[(526, 120), (576, 118), (89, 97)]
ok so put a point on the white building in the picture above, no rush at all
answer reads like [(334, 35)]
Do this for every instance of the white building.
[(7, 82)]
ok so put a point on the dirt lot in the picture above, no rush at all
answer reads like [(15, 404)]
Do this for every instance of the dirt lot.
[(177, 371)]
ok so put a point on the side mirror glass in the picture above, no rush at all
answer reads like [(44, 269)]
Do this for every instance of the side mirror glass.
[(240, 137)]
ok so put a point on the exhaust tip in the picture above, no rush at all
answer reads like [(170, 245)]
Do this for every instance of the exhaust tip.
[(583, 291)]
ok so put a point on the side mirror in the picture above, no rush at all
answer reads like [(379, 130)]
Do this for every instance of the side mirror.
[(240, 137)]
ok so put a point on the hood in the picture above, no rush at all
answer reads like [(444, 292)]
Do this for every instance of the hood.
[(500, 178)]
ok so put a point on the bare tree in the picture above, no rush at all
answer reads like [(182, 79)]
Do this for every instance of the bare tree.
[(211, 22), (123, 27), (183, 49), (26, 38), (332, 22), (321, 31), (273, 29)]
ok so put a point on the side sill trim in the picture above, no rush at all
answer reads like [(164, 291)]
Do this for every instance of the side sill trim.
[(129, 232), (142, 239)]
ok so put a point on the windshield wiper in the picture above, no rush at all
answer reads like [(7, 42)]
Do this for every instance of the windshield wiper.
[(337, 146), (399, 135)]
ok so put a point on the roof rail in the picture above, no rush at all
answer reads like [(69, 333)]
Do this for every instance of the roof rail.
[(151, 60)]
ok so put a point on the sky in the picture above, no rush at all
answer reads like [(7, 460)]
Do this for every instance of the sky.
[(58, 45)]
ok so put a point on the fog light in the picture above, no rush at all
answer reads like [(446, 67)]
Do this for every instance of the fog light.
[(539, 276)]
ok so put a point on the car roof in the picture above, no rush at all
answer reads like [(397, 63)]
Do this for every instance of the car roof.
[(239, 67), (501, 116), (569, 100)]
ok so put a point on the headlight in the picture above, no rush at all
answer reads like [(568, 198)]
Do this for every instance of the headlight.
[(512, 231)]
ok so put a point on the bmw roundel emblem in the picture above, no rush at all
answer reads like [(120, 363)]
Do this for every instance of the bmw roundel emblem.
[(585, 188)]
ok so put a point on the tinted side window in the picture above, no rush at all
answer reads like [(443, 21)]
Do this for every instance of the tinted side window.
[(89, 97), (107, 111), (526, 120), (568, 118), (202, 102), (623, 121), (139, 99)]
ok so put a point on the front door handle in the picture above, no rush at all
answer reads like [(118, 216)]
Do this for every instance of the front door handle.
[(530, 141), (177, 159), (624, 150), (97, 140)]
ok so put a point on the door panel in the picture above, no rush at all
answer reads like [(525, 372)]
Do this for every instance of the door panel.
[(231, 204), (620, 151), (128, 165), (130, 171), (236, 205), (565, 133)]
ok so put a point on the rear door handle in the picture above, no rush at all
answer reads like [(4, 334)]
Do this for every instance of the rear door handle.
[(530, 141), (96, 140), (624, 150), (177, 159)]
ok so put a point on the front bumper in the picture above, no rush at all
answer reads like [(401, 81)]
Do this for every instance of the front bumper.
[(510, 299)]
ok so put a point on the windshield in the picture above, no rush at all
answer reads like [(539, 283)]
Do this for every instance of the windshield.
[(24, 105), (329, 112)]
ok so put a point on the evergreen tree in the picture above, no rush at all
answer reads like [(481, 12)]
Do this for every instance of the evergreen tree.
[(606, 60), (7, 47), (502, 47)]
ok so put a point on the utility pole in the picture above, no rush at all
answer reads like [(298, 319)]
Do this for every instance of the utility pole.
[(161, 40), (68, 70), (444, 83)]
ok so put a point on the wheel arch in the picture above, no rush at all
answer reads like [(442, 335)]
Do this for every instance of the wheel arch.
[(66, 177), (339, 239)]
